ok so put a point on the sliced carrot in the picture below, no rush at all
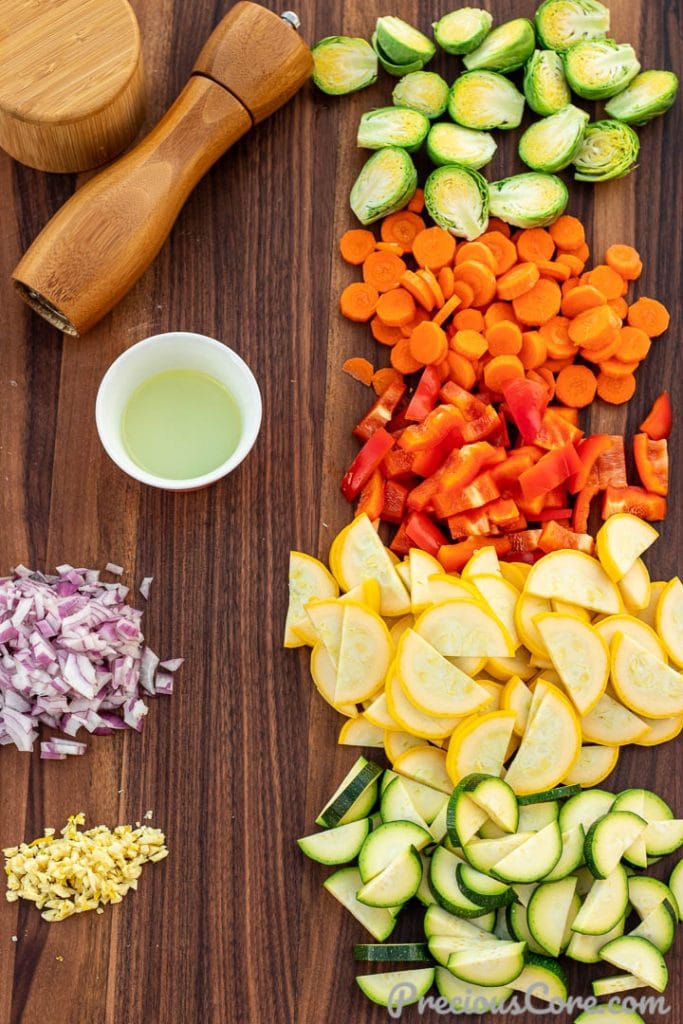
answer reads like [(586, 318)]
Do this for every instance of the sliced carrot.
[(520, 279), (582, 252), (480, 278), (434, 248), (470, 344), (382, 379), (533, 352), (555, 333), (383, 270), (390, 247), (464, 292), (501, 248), (402, 360), (650, 315), (568, 286), (469, 320), (360, 369), (606, 281), (500, 369), (634, 344), (619, 367), (475, 251), (554, 270), (616, 390), (625, 260), (568, 259), (417, 203), (504, 339), (428, 343), (443, 370), (620, 307), (396, 307), (605, 352), (584, 277), (445, 280), (496, 224), (383, 334), (580, 299), (433, 285), (593, 328), (462, 371), (557, 365), (540, 304), (359, 301), (356, 245), (446, 310), (568, 414), (420, 316), (567, 232), (419, 289), (535, 245), (498, 311), (576, 386), (402, 227), (544, 376)]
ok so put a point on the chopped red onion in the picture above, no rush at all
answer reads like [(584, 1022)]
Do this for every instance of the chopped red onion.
[(172, 665), (114, 569), (144, 587)]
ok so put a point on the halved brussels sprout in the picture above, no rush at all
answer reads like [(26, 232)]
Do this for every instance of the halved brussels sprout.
[(600, 68), (650, 94), (462, 31), (561, 23), (545, 83), (342, 65), (552, 144), (485, 100), (402, 43), (505, 49), (457, 199), (392, 126), (397, 70), (530, 200), (452, 144), (424, 91), (609, 150), (385, 184)]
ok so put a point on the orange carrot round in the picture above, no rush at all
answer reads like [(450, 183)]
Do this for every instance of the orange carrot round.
[(568, 286), (568, 259), (557, 365), (419, 289), (504, 339), (576, 386), (480, 278), (533, 352), (540, 304), (496, 224), (581, 298), (417, 203), (464, 292), (555, 333), (462, 371), (446, 310), (469, 320), (402, 360), (475, 251), (359, 301), (605, 352), (420, 316), (554, 270), (356, 245), (393, 247), (620, 307), (446, 280), (395, 307), (498, 311), (544, 376), (500, 369), (535, 245), (433, 285), (567, 232), (428, 343), (434, 248), (616, 390), (520, 279), (650, 315), (402, 227), (593, 328), (470, 344), (381, 379), (634, 344), (383, 270), (501, 248), (618, 367), (625, 260), (606, 281), (383, 334), (360, 369)]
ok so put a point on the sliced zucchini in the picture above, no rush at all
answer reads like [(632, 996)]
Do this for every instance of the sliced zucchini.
[(424, 891), (533, 859), (572, 854), (442, 947), (646, 894), (438, 827), (586, 948), (610, 1014), (638, 957), (558, 793), (605, 905), (392, 126), (386, 843), (483, 854), (395, 884), (616, 983), (343, 885), (463, 817), (396, 805), (396, 988), (354, 786), (663, 837), (551, 912), (498, 965), (439, 922), (489, 830), (517, 923), (483, 890), (543, 978), (609, 838), (443, 880), (465, 998), (659, 927), (524, 892), (391, 952), (428, 802), (585, 808), (499, 801), (534, 817), (336, 845), (676, 887)]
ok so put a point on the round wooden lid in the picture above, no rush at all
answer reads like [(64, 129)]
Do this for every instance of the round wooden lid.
[(71, 81)]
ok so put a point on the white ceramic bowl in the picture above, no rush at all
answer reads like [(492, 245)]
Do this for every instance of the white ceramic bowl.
[(177, 350)]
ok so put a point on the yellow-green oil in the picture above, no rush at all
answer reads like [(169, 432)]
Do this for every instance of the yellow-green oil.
[(180, 424)]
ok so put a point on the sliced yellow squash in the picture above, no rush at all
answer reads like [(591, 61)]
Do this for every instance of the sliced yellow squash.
[(511, 572), (309, 580), (649, 614), (327, 618), (643, 682), (635, 587), (422, 566), (501, 597), (528, 607), (580, 657), (403, 570), (396, 744), (575, 577), (629, 625), (366, 593), (496, 693), (377, 712), (611, 724), (593, 765), (364, 655), (444, 587), (359, 732), (411, 719), (661, 731), (620, 541), (432, 683), (669, 619), (399, 627), (505, 668), (360, 555), (425, 764), (565, 608), (480, 745), (550, 746), (324, 676), (483, 562), (464, 629), (517, 697)]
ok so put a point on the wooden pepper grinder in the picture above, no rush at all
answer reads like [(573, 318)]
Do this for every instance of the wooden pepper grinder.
[(103, 239)]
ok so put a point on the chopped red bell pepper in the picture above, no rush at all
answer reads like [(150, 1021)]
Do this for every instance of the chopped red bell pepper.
[(395, 498), (549, 514), (525, 542), (503, 512), (380, 414), (480, 492), (527, 401), (460, 469), (469, 524), (652, 463), (401, 544), (589, 451), (612, 464), (486, 425), (454, 557), (397, 463), (507, 474), (568, 414), (557, 498), (635, 500), (556, 432), (555, 537), (657, 424), (550, 471), (438, 425), (371, 499), (469, 405), (426, 394), (503, 437), (366, 462), (424, 533), (582, 507), (426, 462), (531, 507)]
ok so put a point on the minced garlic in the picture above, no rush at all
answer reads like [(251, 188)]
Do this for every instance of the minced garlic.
[(81, 870)]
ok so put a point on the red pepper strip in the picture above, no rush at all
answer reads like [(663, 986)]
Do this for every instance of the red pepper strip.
[(366, 462), (395, 498), (657, 424), (516, 525), (381, 412), (612, 464), (454, 557), (480, 492), (483, 426), (532, 507), (397, 463), (549, 514), (582, 507), (459, 469), (527, 401), (504, 436), (371, 499), (529, 449), (401, 544), (652, 463), (508, 473), (426, 463), (556, 432), (524, 542), (570, 415), (557, 498), (503, 512), (469, 405), (424, 533), (635, 500), (589, 450), (550, 471), (555, 537), (426, 394), (439, 423), (470, 524)]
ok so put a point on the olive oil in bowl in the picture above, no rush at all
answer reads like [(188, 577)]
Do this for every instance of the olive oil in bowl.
[(181, 424)]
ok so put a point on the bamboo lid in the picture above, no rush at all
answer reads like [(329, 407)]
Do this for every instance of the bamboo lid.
[(71, 82)]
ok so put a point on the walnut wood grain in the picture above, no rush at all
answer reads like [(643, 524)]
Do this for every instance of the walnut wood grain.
[(235, 928)]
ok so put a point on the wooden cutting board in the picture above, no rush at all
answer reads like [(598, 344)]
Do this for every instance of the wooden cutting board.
[(234, 928)]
